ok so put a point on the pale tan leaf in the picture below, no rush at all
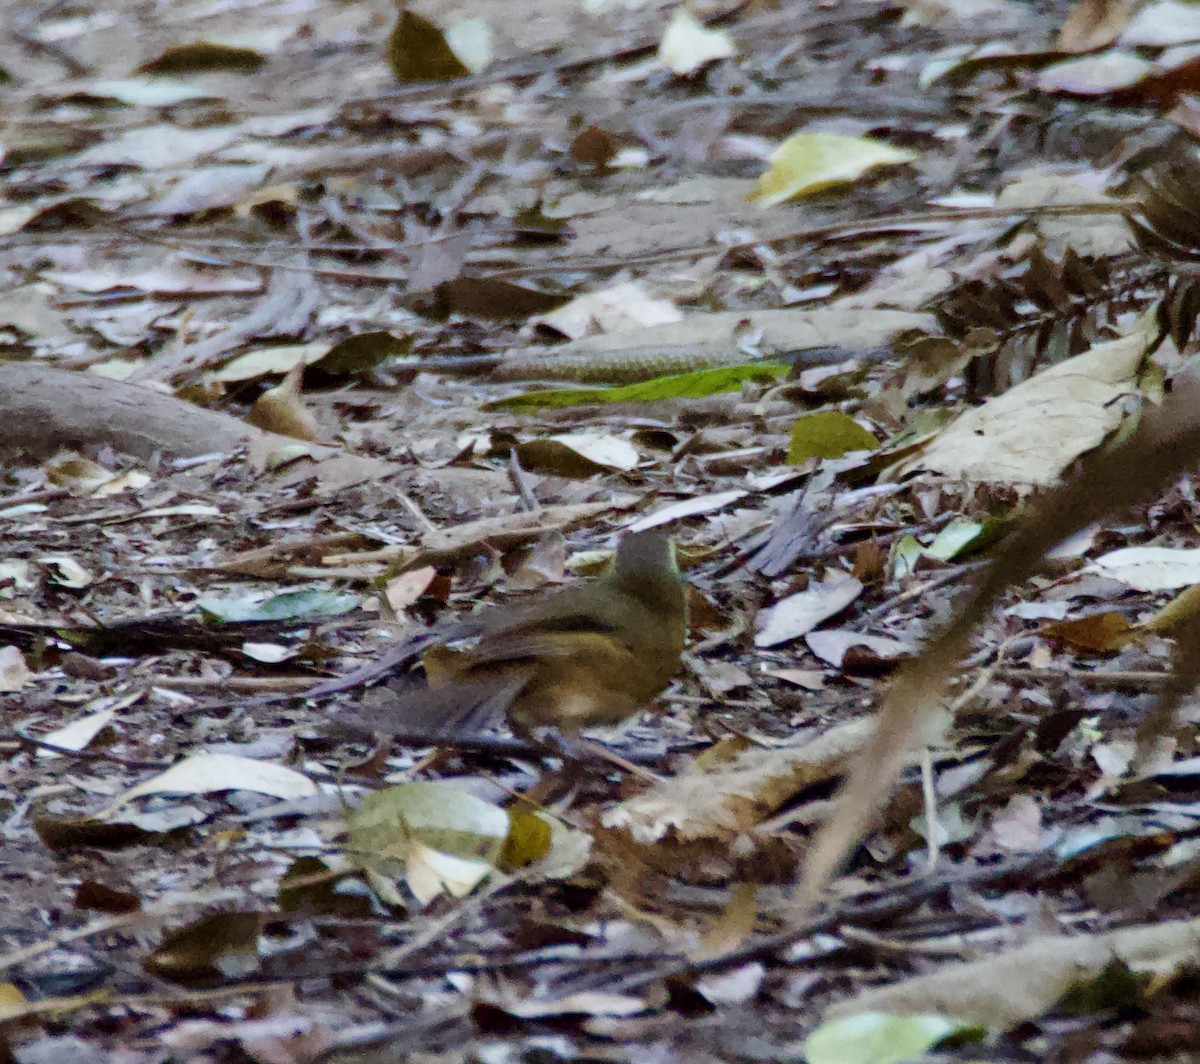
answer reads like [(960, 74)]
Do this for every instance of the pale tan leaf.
[(688, 46), (14, 673), (1094, 24), (1030, 433), (1020, 984), (732, 797), (209, 773), (797, 614)]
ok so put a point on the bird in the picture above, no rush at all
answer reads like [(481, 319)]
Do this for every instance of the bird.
[(590, 654)]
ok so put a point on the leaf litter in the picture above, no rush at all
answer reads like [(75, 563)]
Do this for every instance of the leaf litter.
[(328, 287)]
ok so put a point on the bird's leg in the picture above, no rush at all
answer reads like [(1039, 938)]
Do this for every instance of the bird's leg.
[(575, 748)]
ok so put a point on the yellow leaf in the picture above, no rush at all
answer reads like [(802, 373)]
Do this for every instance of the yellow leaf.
[(1182, 607), (809, 162)]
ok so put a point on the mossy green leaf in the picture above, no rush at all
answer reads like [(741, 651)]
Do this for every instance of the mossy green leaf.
[(418, 51), (203, 57), (828, 434), (693, 385)]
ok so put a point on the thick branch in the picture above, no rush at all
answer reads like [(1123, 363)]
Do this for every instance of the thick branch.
[(43, 409)]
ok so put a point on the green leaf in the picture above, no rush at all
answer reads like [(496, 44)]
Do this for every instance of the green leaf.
[(1115, 987), (289, 606), (906, 552), (693, 385), (876, 1038), (955, 538), (828, 434)]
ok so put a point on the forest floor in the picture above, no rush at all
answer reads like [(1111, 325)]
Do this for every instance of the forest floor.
[(534, 308)]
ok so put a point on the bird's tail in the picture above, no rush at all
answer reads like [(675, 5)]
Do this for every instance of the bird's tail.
[(415, 712)]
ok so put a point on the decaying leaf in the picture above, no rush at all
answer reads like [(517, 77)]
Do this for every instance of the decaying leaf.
[(1097, 633), (577, 454), (726, 799)]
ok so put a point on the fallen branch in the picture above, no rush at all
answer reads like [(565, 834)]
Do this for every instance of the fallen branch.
[(44, 409)]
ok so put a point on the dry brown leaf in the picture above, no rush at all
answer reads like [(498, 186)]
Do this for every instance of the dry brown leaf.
[(733, 797), (1094, 24)]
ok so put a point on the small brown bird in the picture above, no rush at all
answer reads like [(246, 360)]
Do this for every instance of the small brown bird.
[(591, 654)]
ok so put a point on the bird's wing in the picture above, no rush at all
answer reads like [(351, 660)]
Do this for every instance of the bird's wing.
[(602, 611), (538, 646)]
